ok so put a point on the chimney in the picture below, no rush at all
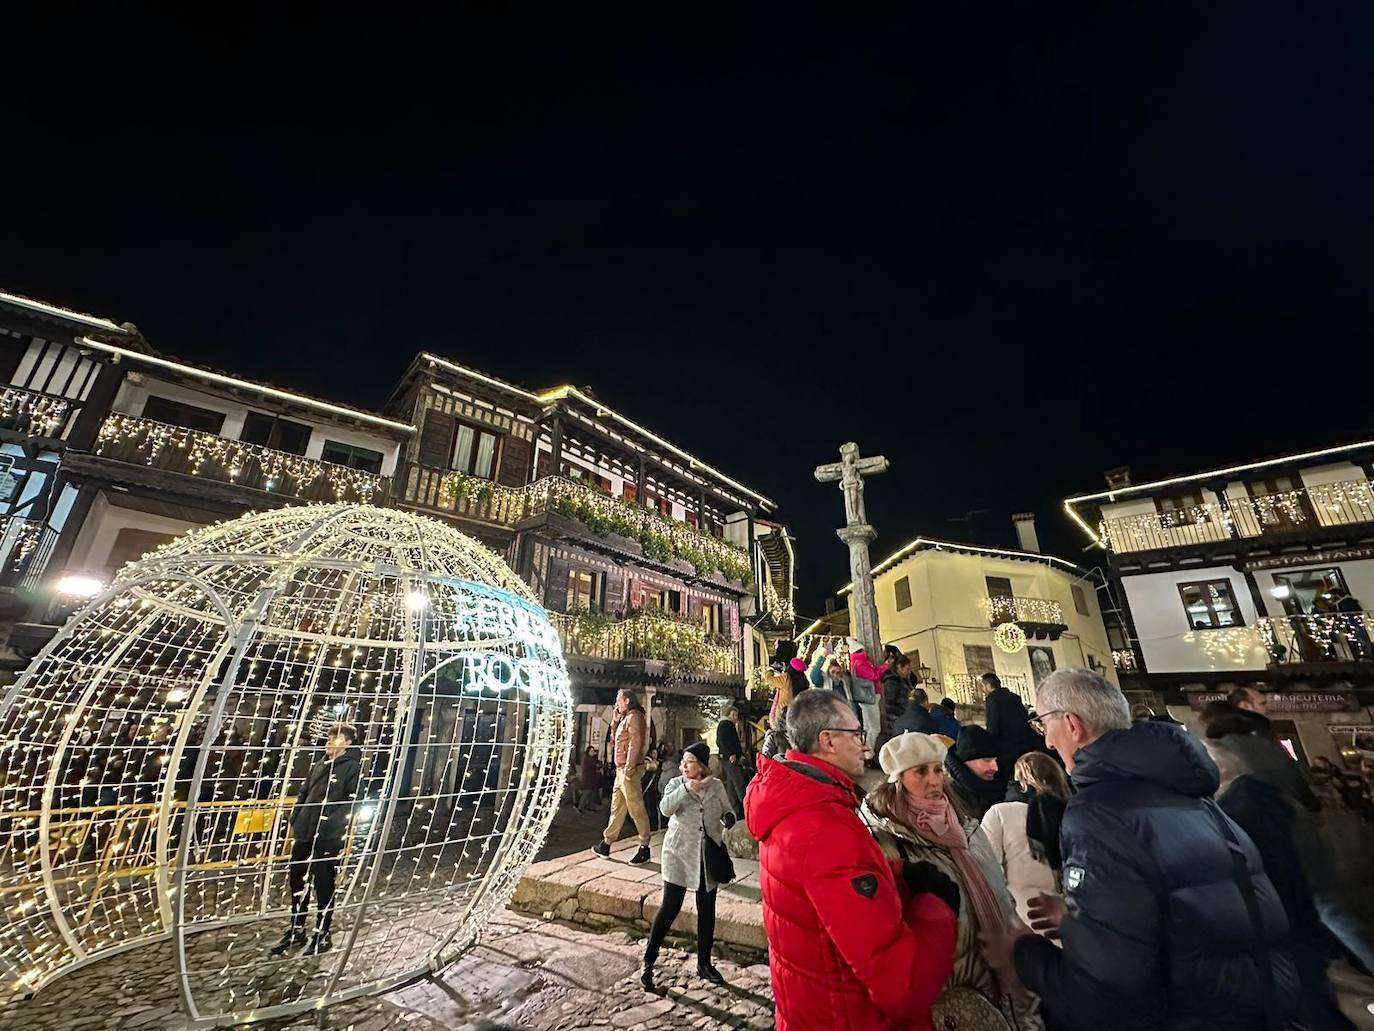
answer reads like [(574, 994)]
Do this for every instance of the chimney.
[(1118, 477), (1025, 531), (829, 605)]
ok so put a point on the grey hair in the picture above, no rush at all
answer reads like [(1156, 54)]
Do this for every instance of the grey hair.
[(1097, 702), (811, 712)]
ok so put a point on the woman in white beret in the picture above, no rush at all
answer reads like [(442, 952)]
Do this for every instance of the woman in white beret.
[(913, 820)]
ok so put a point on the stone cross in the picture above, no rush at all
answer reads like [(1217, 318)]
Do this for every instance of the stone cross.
[(857, 533)]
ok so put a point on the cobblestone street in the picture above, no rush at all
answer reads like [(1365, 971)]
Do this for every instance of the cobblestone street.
[(526, 974)]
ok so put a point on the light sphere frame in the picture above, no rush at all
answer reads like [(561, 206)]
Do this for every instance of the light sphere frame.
[(151, 754)]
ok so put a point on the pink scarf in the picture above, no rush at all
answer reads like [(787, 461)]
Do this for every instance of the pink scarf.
[(935, 820)]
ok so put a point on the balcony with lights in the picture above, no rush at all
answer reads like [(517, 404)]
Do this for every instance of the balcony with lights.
[(1039, 618), (160, 448), (650, 644)]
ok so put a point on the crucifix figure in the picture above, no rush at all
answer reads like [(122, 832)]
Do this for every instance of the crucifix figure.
[(850, 471)]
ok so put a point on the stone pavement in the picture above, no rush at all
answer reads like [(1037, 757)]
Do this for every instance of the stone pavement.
[(610, 893), (526, 974)]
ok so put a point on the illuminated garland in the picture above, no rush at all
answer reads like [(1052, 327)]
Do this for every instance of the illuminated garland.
[(1009, 637), (32, 413), (1335, 504), (1124, 660), (680, 643), (775, 607), (1329, 633), (233, 458), (1023, 610)]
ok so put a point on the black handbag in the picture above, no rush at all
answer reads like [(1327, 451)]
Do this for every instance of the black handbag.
[(719, 866)]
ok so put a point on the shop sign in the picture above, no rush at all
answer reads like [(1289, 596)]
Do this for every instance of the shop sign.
[(1289, 701)]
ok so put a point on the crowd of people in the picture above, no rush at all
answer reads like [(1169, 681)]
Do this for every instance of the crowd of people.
[(1089, 865)]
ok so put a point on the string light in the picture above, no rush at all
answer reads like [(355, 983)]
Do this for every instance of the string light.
[(179, 717), (28, 412), (129, 437), (1331, 504), (1009, 637), (1023, 610)]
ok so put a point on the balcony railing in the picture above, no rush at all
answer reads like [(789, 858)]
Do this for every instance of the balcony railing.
[(685, 647), (1023, 610), (660, 538), (25, 547), (1124, 660), (1345, 503), (39, 415), (138, 441), (1319, 637), (966, 689)]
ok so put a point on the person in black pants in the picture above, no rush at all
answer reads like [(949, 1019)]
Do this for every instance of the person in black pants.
[(698, 806), (319, 822)]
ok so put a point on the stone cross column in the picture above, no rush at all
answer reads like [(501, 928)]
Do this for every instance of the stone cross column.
[(857, 533)]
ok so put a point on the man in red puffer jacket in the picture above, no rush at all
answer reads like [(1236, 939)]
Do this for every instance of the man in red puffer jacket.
[(855, 943)]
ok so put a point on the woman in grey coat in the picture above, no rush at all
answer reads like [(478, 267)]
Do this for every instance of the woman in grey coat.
[(697, 805)]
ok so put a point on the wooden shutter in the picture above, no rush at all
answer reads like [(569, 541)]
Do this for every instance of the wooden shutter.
[(515, 461), (436, 440)]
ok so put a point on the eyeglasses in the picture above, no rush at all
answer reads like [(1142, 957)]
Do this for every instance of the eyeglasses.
[(1038, 722), (856, 731)]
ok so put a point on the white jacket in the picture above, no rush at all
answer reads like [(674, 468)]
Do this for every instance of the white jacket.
[(1005, 828)]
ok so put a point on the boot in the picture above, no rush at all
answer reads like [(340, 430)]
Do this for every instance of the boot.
[(646, 980), (294, 936), (709, 973), (320, 942), (602, 848), (642, 856)]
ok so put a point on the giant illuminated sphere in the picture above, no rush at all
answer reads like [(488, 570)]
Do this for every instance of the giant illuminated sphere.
[(153, 751)]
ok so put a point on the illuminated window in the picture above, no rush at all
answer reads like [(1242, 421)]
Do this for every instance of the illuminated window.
[(1210, 604), (586, 590)]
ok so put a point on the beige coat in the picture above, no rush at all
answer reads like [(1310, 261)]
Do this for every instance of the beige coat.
[(1005, 828), (970, 969)]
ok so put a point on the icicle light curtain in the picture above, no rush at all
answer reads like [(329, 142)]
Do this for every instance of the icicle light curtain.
[(153, 752)]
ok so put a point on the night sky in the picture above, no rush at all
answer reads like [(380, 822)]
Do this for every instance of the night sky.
[(1008, 250)]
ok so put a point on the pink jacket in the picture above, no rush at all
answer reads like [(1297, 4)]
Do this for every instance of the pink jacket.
[(862, 666)]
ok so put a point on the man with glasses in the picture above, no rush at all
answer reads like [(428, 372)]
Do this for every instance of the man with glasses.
[(850, 943), (1168, 919)]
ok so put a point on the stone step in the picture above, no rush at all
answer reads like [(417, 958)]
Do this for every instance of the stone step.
[(608, 893)]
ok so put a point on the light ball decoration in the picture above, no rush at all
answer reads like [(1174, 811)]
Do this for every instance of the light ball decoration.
[(1009, 637), (152, 752)]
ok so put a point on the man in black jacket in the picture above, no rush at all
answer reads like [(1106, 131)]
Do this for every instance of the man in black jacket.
[(971, 778), (731, 753), (1168, 919), (319, 821), (1008, 722)]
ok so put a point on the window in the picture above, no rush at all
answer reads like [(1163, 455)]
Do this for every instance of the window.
[(903, 589), (586, 590), (275, 432), (162, 409), (1309, 591), (998, 587), (352, 456), (1080, 600), (1183, 510), (711, 617), (1116, 637), (474, 451), (670, 600), (1210, 605)]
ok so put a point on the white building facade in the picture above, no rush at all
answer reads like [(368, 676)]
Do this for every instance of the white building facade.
[(961, 610), (1255, 574)]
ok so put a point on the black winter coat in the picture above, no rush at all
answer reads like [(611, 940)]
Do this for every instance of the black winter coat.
[(1007, 721), (322, 809), (1158, 935), (916, 719), (896, 691), (727, 741)]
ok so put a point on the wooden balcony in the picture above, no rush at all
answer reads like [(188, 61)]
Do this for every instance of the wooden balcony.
[(1032, 611), (33, 414), (1305, 511), (1320, 643), (640, 531), (685, 647), (139, 441)]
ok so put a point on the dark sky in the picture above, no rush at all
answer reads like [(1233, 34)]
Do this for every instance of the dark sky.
[(1008, 249)]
